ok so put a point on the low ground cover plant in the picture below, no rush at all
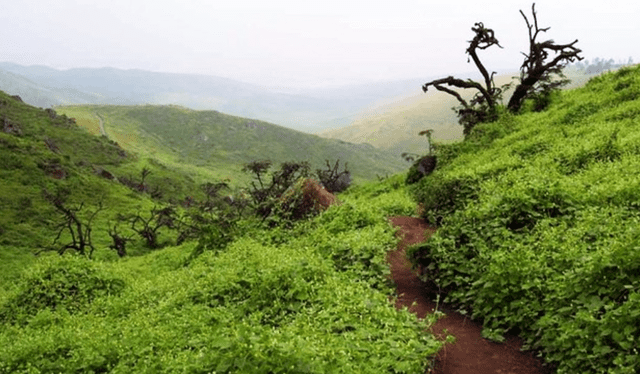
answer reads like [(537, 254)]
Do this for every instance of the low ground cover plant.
[(313, 298), (539, 229)]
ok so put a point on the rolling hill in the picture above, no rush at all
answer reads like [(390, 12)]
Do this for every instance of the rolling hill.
[(272, 298), (48, 150), (308, 110), (395, 125), (213, 142), (44, 151), (538, 235)]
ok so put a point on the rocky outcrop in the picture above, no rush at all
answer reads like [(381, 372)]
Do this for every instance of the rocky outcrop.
[(104, 173), (53, 147), (52, 113), (426, 165), (10, 127), (53, 168)]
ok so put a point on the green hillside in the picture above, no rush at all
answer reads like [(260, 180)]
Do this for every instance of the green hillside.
[(310, 296), (42, 150), (210, 142), (538, 235), (539, 226)]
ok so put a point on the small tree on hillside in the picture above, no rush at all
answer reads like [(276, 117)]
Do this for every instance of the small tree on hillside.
[(424, 165), (119, 241), (537, 74), (77, 229), (148, 227), (334, 180)]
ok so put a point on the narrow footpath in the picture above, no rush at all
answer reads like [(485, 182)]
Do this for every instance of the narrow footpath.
[(470, 353), (102, 130)]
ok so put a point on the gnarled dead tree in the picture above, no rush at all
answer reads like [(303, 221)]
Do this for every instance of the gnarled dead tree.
[(483, 103), (78, 230), (119, 241), (536, 77), (148, 227), (536, 73), (333, 180)]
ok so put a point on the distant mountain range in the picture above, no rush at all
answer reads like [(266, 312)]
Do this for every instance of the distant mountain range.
[(388, 115), (308, 110)]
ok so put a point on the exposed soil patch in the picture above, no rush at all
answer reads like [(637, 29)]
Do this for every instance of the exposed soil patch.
[(470, 353)]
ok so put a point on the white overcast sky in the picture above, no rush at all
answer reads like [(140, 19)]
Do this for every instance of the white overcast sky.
[(302, 42)]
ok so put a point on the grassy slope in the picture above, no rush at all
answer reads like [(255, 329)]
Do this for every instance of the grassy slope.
[(395, 125), (314, 299), (311, 299), (27, 221), (214, 144), (540, 226)]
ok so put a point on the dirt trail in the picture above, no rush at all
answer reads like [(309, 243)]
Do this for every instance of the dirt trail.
[(470, 353), (102, 130)]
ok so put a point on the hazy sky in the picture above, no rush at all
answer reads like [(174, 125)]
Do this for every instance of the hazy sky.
[(302, 42)]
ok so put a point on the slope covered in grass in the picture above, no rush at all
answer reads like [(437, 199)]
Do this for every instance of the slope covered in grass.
[(539, 219), (312, 299), (210, 140), (41, 150)]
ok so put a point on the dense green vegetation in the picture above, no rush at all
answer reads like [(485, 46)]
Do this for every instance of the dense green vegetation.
[(208, 142), (539, 226), (538, 218), (311, 299), (246, 296), (42, 150)]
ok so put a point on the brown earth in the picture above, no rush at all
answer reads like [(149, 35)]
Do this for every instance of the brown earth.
[(470, 353)]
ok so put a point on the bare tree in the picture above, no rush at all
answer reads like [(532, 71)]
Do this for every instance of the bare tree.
[(119, 241), (148, 227), (536, 73), (482, 105), (334, 180), (78, 230)]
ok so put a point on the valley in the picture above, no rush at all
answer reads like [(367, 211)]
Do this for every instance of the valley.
[(535, 212)]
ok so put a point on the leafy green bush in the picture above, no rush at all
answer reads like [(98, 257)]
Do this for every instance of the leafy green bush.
[(312, 298), (65, 282), (542, 236), (441, 196)]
